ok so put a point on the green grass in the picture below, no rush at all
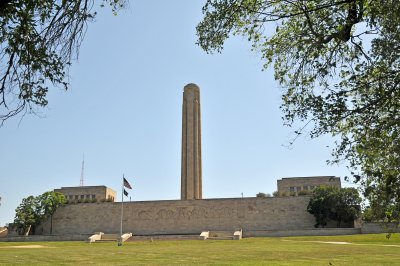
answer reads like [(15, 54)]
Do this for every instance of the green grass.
[(360, 250)]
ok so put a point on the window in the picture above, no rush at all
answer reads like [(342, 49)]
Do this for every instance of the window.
[(298, 189), (305, 187), (93, 196), (88, 196), (82, 196), (291, 189)]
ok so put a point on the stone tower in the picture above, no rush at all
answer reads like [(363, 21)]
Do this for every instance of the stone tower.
[(191, 180)]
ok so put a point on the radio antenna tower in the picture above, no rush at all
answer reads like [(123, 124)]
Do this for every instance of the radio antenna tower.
[(82, 171)]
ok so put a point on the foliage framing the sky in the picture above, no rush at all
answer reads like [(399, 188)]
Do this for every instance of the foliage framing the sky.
[(38, 40), (338, 64)]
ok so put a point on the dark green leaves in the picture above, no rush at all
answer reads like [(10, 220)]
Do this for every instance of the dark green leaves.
[(331, 203), (39, 40), (34, 210), (338, 63)]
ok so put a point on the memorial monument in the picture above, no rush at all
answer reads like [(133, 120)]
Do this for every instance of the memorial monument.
[(191, 214), (191, 180)]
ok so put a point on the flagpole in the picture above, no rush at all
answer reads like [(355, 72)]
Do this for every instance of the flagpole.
[(125, 183), (122, 211)]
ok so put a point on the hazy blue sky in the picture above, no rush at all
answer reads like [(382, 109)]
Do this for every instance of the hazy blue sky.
[(123, 112)]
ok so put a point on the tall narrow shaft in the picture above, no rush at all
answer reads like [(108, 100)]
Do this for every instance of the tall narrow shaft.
[(191, 180)]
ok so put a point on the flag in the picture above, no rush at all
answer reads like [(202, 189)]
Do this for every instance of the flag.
[(126, 183), (125, 193)]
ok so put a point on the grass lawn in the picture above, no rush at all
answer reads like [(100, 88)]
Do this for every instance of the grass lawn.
[(327, 250)]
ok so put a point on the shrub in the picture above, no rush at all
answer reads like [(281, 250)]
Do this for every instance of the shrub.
[(304, 192), (261, 195), (284, 194), (331, 203)]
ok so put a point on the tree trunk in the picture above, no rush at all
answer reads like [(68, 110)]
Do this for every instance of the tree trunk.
[(51, 224), (27, 230)]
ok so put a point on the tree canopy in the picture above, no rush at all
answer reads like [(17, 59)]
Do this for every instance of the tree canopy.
[(49, 202), (331, 203), (26, 214), (34, 210), (338, 64), (38, 41), (263, 195)]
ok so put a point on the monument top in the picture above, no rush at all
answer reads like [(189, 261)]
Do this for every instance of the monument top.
[(191, 86)]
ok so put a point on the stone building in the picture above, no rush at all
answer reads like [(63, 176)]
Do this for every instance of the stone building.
[(297, 184), (88, 193)]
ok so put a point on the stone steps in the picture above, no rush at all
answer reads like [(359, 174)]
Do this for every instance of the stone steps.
[(106, 240), (220, 235), (221, 238), (163, 237), (99, 237), (109, 237)]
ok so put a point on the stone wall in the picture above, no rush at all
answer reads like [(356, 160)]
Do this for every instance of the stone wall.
[(377, 228), (304, 232), (42, 238), (182, 217)]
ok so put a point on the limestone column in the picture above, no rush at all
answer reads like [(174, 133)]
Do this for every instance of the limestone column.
[(191, 180)]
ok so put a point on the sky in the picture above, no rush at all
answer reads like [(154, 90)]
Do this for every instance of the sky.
[(123, 112)]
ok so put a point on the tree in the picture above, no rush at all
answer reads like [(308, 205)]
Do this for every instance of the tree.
[(34, 210), (381, 208), (39, 40), (49, 202), (330, 203), (27, 215), (346, 206), (338, 62), (320, 205), (263, 195)]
